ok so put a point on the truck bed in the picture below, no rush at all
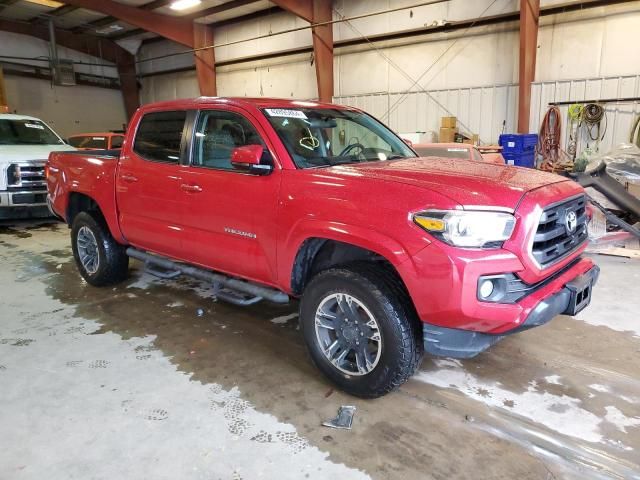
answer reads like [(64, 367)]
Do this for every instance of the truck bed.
[(71, 176)]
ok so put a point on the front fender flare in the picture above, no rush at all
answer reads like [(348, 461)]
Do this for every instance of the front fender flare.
[(363, 237)]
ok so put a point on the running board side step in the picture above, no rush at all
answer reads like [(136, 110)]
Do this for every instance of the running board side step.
[(228, 289)]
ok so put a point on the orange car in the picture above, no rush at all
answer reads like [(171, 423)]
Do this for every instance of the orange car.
[(97, 141), (457, 150)]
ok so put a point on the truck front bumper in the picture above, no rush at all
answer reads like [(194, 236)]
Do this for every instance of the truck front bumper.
[(573, 297), (23, 204)]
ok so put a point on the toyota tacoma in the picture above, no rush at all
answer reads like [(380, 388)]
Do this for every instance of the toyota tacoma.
[(390, 254)]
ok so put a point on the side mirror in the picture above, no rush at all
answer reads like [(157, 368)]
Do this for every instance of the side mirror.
[(249, 157)]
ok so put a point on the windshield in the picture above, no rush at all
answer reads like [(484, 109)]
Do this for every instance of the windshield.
[(99, 143), (324, 137), (26, 132)]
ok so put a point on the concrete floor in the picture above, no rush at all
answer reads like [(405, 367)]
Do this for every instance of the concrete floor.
[(132, 383)]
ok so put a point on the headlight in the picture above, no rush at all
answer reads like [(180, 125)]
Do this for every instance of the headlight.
[(467, 228)]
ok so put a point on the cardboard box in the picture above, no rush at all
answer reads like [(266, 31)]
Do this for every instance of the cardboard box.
[(448, 122), (473, 140), (447, 135)]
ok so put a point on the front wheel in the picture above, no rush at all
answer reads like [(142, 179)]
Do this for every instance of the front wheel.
[(99, 258), (359, 329)]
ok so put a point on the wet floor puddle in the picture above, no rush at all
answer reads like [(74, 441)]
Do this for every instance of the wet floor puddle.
[(259, 347)]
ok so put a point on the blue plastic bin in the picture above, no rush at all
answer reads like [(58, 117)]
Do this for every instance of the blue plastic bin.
[(526, 159), (518, 143)]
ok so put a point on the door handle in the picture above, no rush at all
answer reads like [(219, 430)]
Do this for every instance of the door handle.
[(128, 178), (191, 188)]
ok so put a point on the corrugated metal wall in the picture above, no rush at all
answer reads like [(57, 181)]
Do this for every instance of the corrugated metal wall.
[(619, 117), (483, 110)]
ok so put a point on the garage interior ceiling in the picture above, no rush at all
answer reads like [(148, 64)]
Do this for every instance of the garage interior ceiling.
[(80, 20)]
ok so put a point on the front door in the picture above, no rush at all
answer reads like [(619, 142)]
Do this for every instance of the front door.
[(230, 215), (148, 184)]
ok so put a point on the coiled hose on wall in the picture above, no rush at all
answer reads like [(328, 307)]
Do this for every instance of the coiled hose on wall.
[(553, 158), (592, 116)]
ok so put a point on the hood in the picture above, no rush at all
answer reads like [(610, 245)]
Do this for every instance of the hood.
[(21, 153), (465, 182)]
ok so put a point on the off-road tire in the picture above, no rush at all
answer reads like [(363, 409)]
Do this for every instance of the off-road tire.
[(382, 293), (113, 263)]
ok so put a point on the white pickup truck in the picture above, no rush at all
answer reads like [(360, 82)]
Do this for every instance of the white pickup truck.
[(25, 144)]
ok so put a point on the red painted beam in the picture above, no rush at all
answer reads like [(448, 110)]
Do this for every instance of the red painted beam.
[(323, 49), (174, 28), (205, 59), (529, 15)]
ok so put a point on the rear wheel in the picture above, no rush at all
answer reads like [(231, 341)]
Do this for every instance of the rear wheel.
[(99, 258), (359, 329)]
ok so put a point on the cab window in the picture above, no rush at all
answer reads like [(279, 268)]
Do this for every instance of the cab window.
[(217, 134), (159, 136)]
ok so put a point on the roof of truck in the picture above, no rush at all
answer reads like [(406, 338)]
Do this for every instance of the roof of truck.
[(244, 101), (13, 116)]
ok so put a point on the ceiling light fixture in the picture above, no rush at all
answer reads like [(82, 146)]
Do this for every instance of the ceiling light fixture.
[(184, 4), (46, 3)]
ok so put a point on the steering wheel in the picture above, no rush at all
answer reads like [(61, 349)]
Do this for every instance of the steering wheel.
[(347, 150)]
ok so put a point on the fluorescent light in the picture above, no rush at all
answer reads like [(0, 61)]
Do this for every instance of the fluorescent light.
[(184, 4), (46, 3)]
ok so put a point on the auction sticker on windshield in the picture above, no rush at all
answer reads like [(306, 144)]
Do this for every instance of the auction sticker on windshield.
[(34, 125), (282, 112)]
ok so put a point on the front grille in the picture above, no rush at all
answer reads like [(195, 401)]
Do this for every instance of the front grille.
[(26, 176), (28, 198), (554, 238)]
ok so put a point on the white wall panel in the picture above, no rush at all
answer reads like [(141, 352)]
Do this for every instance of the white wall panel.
[(295, 79), (149, 53), (264, 26), (13, 44), (601, 42), (68, 110), (453, 10), (479, 110)]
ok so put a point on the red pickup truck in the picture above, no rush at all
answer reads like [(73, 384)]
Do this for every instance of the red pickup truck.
[(391, 255)]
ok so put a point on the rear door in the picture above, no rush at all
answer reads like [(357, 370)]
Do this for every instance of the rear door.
[(230, 215), (148, 183)]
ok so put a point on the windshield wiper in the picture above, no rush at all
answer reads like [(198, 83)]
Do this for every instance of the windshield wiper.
[(395, 156)]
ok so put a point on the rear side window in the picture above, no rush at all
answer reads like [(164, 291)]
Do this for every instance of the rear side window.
[(159, 136), (89, 142), (116, 141)]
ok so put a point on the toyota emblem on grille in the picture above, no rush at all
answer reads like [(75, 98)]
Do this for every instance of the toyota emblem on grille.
[(571, 221)]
